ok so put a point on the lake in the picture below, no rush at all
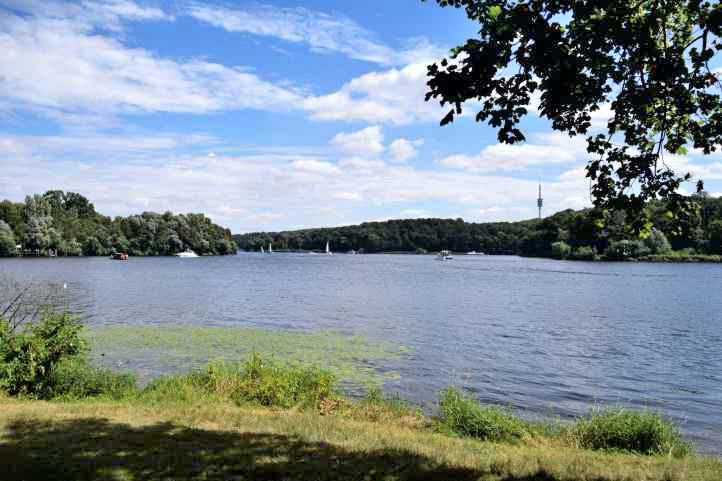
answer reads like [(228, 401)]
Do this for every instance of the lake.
[(542, 336)]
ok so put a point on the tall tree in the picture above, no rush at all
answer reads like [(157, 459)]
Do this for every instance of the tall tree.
[(647, 60)]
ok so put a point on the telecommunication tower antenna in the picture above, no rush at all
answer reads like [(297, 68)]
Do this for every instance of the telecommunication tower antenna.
[(540, 201)]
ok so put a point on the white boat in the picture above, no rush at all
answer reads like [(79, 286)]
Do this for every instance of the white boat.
[(187, 254), (262, 250), (444, 256), (328, 249), (270, 248), (474, 253)]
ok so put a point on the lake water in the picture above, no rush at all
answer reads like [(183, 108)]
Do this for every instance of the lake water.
[(539, 335)]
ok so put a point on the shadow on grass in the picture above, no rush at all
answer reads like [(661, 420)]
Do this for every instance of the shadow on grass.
[(98, 449)]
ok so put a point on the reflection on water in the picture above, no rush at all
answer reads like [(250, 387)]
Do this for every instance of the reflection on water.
[(536, 334)]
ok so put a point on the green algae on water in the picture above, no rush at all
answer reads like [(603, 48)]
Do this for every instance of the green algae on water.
[(173, 348)]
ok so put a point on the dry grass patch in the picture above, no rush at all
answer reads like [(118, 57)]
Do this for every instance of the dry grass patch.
[(53, 441)]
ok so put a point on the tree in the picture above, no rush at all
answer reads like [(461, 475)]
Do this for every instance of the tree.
[(647, 60), (7, 240)]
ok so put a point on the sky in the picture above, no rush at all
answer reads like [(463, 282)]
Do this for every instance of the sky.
[(267, 115)]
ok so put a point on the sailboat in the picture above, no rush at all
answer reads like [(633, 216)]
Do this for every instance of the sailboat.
[(328, 249), (262, 251), (270, 248)]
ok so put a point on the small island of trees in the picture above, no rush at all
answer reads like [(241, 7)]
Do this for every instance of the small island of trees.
[(66, 224)]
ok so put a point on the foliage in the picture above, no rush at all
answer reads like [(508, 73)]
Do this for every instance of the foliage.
[(657, 242), (67, 223), (626, 249), (584, 253), (648, 61), (588, 229), (257, 381), (29, 356), (464, 416), (561, 250), (7, 240), (76, 378), (640, 432)]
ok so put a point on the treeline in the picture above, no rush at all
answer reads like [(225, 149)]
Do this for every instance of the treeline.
[(585, 234), (66, 224)]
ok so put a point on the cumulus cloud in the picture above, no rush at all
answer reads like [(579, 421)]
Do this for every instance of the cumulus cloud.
[(402, 150), (265, 190), (365, 142), (548, 148), (394, 96)]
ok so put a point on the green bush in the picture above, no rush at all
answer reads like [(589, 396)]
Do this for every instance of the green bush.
[(584, 253), (76, 379), (657, 243), (642, 432), (561, 250), (257, 381), (269, 383), (464, 416), (29, 355), (626, 249)]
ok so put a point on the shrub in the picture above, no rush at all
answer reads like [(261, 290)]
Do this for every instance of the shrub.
[(465, 417), (626, 249), (584, 253), (269, 383), (642, 432), (561, 250), (257, 381), (376, 407), (76, 379), (657, 242), (29, 356)]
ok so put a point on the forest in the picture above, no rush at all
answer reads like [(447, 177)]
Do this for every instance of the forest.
[(585, 234), (66, 224)]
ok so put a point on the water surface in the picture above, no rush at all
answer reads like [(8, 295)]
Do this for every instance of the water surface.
[(539, 335)]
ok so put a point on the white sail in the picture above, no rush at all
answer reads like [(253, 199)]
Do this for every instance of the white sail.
[(270, 248), (262, 251), (328, 248)]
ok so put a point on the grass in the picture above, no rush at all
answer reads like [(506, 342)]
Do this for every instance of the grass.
[(257, 381), (117, 440), (642, 432), (464, 416), (679, 256)]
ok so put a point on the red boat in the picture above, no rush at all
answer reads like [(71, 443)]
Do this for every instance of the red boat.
[(119, 256)]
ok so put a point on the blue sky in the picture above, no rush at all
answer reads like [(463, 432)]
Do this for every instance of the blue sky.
[(264, 115)]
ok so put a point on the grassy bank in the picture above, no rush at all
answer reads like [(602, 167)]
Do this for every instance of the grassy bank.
[(127, 440), (266, 420), (62, 417)]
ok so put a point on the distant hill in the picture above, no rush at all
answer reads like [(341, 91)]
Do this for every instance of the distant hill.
[(567, 234), (66, 223)]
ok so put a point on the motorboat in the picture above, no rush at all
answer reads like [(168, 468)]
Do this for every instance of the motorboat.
[(187, 254), (444, 256)]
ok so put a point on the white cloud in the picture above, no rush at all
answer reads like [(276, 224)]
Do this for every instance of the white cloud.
[(112, 144), (550, 148), (402, 150), (414, 213), (394, 96), (267, 190), (365, 142), (322, 32), (315, 167), (355, 196), (57, 65), (108, 14)]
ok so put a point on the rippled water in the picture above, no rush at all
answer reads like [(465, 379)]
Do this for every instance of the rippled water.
[(539, 335)]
